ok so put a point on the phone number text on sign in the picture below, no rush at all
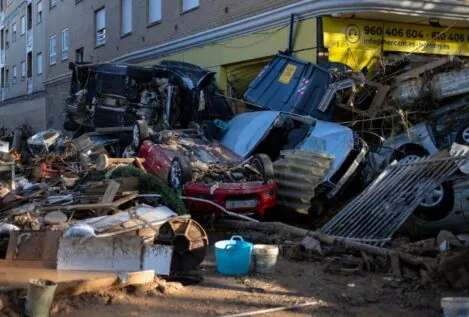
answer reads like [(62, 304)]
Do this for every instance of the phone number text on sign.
[(355, 34), (416, 34)]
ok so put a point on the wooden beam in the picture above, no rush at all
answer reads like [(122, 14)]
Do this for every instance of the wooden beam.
[(114, 204), (77, 287), (287, 230), (422, 69), (111, 192)]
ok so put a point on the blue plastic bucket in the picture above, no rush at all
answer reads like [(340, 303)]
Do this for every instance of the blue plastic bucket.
[(233, 256)]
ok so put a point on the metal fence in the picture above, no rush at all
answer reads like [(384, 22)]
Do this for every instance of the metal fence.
[(378, 212)]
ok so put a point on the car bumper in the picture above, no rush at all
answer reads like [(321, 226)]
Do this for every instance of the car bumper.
[(349, 173), (235, 197)]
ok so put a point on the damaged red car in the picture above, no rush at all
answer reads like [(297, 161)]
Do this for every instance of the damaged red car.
[(203, 168)]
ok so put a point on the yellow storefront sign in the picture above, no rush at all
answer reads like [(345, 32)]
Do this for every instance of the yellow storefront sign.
[(358, 42), (287, 74)]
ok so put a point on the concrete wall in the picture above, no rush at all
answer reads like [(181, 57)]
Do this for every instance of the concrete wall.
[(55, 101), (24, 111)]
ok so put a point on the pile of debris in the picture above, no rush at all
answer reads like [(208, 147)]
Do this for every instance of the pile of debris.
[(70, 189)]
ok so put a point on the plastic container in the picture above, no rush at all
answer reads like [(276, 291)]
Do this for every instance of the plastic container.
[(455, 306), (39, 298), (233, 256), (265, 258)]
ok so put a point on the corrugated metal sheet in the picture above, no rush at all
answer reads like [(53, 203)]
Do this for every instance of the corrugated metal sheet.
[(378, 212), (297, 174)]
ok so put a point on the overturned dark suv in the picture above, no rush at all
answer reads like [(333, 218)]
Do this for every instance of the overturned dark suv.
[(168, 95)]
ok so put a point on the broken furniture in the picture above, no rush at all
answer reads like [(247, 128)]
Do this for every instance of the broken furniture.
[(9, 167)]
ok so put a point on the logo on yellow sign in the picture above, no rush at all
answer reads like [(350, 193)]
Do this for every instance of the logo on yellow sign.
[(352, 34)]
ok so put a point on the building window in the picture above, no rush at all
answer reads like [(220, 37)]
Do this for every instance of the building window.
[(79, 53), (13, 33), (23, 70), (39, 63), (100, 24), (126, 17), (23, 25), (52, 50), (189, 5), (14, 74), (52, 3), (65, 44), (39, 12), (154, 11)]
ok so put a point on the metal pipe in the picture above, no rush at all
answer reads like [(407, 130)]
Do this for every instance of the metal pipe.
[(290, 37)]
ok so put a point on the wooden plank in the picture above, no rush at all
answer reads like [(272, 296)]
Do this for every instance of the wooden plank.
[(40, 264), (51, 246), (111, 192), (378, 101), (125, 199), (77, 287), (424, 68), (115, 204), (113, 129)]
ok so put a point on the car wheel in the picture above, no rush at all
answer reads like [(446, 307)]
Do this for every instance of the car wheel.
[(439, 202), (263, 164), (180, 172), (140, 133), (463, 136)]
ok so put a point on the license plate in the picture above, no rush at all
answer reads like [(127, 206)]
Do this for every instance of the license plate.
[(236, 204)]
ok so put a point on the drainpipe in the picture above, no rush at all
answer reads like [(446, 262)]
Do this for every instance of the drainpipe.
[(290, 38)]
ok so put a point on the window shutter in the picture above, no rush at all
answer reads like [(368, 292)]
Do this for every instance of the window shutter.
[(100, 20), (126, 16), (154, 11)]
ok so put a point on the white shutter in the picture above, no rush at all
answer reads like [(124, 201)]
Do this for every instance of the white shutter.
[(100, 20), (189, 4), (23, 24), (65, 44), (39, 11), (126, 18), (39, 63), (23, 70), (154, 11), (52, 50)]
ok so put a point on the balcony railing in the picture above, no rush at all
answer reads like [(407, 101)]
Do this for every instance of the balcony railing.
[(29, 41), (29, 84), (2, 58)]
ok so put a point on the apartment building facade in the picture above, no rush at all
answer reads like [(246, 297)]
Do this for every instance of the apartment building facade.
[(235, 39), (21, 63)]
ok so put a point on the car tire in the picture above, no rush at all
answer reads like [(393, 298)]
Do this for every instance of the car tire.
[(443, 197), (264, 165), (140, 133), (180, 172), (463, 136)]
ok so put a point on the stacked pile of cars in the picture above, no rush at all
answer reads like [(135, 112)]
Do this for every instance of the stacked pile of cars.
[(293, 149)]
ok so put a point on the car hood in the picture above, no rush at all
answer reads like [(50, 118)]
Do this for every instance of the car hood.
[(331, 139), (245, 131)]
